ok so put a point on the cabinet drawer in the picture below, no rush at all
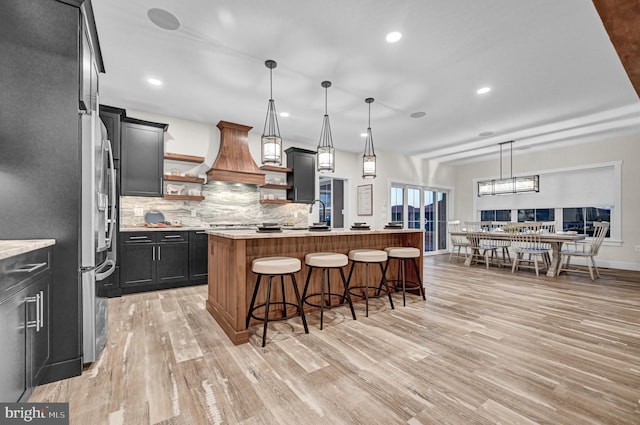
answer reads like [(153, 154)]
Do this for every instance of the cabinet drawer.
[(17, 271), (172, 236), (136, 237)]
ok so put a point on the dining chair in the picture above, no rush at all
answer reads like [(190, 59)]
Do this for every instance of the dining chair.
[(502, 244), (525, 239), (587, 250), (457, 242), (482, 250)]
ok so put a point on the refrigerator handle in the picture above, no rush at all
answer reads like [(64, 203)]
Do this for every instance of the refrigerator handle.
[(111, 267), (112, 195)]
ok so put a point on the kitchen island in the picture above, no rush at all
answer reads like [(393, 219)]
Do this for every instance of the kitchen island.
[(231, 252)]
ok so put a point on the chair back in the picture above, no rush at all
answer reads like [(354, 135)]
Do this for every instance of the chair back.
[(454, 226), (548, 226), (599, 232), (477, 226), (525, 236)]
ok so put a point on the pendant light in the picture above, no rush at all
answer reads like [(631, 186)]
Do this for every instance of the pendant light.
[(369, 157), (326, 153), (271, 140), (509, 185)]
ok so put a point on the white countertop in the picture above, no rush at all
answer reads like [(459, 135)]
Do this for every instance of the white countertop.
[(286, 233), (161, 229), (10, 248)]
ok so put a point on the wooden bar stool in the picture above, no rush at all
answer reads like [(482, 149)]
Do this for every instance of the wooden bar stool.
[(325, 262), (275, 266), (402, 255), (366, 257)]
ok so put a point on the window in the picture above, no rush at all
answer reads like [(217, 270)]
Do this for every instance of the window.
[(325, 196), (397, 204), (581, 219), (539, 214), (495, 215), (413, 208)]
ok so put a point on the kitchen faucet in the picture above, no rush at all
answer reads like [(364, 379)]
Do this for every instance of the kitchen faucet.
[(324, 208)]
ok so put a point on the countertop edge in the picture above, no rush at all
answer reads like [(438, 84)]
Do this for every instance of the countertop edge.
[(11, 248), (252, 234), (161, 229)]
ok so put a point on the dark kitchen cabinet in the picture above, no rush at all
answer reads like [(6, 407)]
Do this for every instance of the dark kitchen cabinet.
[(198, 257), (112, 119), (142, 157), (303, 177), (153, 260), (25, 282)]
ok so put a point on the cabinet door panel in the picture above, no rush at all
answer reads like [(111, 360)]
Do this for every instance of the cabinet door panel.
[(12, 334), (137, 264), (173, 262), (38, 340), (198, 258), (142, 160)]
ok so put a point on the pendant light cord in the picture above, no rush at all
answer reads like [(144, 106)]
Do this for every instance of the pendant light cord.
[(271, 83)]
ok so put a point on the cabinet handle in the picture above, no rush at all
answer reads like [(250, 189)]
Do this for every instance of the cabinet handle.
[(35, 323), (158, 253), (201, 233), (153, 251), (30, 268), (172, 236), (41, 311), (137, 237)]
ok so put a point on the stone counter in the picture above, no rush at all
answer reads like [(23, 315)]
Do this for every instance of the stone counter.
[(159, 229), (10, 248)]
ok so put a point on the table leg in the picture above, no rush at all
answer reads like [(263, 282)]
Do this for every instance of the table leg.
[(554, 267)]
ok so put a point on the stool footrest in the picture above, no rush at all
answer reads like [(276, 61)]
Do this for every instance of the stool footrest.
[(342, 299), (275, 304), (409, 285), (382, 291)]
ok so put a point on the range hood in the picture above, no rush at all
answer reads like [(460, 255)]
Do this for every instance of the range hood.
[(234, 162)]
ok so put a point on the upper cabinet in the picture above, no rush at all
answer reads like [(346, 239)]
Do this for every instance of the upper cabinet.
[(112, 117), (142, 157), (303, 177)]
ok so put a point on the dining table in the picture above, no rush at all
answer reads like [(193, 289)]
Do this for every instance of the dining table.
[(555, 241)]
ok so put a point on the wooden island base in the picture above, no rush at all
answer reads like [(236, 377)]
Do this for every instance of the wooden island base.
[(231, 281)]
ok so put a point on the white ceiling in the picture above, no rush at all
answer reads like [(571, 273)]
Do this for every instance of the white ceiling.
[(554, 74)]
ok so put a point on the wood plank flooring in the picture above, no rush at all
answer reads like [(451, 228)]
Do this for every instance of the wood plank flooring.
[(487, 347)]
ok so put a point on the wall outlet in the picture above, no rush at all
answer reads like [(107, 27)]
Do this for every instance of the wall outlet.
[(138, 212), (194, 213), (637, 248), (295, 214)]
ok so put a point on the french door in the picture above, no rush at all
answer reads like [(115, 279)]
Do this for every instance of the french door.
[(422, 208)]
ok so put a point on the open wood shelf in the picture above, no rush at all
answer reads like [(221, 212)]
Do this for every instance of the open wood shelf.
[(276, 186), (183, 197), (275, 201), (184, 158), (276, 169), (186, 179)]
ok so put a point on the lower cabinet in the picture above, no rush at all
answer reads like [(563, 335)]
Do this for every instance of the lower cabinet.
[(25, 282), (198, 257), (158, 260)]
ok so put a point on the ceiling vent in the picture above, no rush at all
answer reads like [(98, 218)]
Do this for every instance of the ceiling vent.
[(234, 162)]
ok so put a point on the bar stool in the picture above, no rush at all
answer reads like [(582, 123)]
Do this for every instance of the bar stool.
[(275, 266), (366, 257), (325, 261), (402, 255)]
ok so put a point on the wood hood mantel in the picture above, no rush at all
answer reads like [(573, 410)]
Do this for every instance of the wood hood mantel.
[(234, 162)]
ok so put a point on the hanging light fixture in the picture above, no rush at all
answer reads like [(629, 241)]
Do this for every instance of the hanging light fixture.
[(511, 184), (271, 140), (326, 153), (369, 157)]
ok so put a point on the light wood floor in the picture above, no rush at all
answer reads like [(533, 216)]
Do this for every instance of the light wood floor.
[(487, 347)]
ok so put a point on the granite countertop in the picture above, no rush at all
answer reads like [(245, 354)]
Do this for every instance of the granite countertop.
[(286, 233), (10, 248), (156, 229)]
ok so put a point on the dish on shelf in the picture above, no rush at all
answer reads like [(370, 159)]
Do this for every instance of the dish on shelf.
[(154, 217)]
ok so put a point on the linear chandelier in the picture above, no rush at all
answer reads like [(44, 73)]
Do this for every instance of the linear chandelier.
[(326, 152), (509, 185)]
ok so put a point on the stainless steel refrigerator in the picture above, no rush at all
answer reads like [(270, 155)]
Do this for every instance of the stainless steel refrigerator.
[(98, 261)]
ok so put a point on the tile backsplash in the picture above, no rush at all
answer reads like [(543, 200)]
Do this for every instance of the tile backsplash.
[(223, 203)]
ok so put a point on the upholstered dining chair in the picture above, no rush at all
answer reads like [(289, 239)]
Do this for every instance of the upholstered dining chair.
[(457, 242), (525, 240), (587, 250)]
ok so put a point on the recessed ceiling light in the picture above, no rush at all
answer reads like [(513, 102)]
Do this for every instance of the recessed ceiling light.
[(483, 90), (163, 19), (418, 114), (363, 134), (394, 36), (485, 133), (284, 114), (154, 81)]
